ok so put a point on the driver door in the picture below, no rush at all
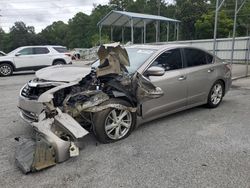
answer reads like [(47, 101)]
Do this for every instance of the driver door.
[(173, 84), (24, 58)]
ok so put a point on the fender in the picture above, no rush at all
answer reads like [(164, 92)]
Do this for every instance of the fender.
[(9, 62)]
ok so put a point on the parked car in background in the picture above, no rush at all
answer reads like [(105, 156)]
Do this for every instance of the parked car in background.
[(33, 58), (2, 53)]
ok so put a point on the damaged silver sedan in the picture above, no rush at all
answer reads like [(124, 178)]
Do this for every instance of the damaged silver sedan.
[(124, 88)]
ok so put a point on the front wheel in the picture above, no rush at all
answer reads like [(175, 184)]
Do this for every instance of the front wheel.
[(216, 94), (6, 69), (111, 125)]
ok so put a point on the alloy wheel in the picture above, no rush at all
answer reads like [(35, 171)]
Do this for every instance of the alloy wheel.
[(217, 93), (118, 123), (5, 70)]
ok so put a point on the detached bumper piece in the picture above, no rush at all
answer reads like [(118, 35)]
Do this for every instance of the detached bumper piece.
[(56, 141), (33, 155)]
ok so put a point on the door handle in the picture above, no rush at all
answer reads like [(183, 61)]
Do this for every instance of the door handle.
[(210, 70), (182, 78)]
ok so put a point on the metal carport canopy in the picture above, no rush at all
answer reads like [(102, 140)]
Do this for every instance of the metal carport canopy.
[(134, 20), (122, 19)]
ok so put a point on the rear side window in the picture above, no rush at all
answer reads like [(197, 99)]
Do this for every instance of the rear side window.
[(61, 49), (169, 60), (41, 50), (195, 57), (26, 51)]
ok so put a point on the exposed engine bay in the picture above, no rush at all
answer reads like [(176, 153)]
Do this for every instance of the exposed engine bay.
[(61, 113)]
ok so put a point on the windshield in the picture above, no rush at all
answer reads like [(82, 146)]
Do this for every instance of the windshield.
[(136, 56)]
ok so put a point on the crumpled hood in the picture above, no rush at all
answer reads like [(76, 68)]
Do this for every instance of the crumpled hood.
[(63, 73)]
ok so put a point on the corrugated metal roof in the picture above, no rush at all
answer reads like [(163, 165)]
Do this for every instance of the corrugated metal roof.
[(122, 18)]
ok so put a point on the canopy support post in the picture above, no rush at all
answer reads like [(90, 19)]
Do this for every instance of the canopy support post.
[(100, 34), (145, 34), (132, 30), (175, 31), (177, 34), (122, 35), (156, 31), (159, 31), (168, 32), (111, 33), (142, 35)]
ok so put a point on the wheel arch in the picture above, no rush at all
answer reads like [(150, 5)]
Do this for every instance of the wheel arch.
[(9, 62), (124, 97), (58, 59), (224, 84)]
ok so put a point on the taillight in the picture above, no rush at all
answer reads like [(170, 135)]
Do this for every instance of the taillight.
[(67, 54)]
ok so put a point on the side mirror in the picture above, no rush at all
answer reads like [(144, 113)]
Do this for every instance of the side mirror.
[(155, 71), (17, 54)]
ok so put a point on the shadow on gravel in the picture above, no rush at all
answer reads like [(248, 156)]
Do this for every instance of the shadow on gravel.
[(23, 73)]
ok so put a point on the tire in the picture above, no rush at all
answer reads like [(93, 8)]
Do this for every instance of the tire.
[(6, 69), (116, 131), (59, 62), (216, 94)]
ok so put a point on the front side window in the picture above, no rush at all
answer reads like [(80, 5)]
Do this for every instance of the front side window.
[(26, 51), (195, 57), (169, 60), (41, 50)]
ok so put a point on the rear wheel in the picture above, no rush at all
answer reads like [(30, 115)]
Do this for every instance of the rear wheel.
[(59, 62), (216, 94), (111, 125), (6, 69)]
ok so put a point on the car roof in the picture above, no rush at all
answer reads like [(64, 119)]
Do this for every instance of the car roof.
[(162, 47), (43, 46), (155, 46)]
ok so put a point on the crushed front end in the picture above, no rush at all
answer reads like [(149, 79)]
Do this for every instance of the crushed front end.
[(61, 111)]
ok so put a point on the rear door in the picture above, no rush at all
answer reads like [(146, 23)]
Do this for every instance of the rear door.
[(42, 56), (201, 74), (173, 84)]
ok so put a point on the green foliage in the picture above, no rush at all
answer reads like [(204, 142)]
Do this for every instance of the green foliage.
[(188, 11), (55, 33), (205, 26), (19, 35), (79, 31), (196, 16), (243, 21), (95, 40)]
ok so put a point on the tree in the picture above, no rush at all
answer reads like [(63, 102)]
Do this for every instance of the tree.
[(2, 35), (188, 12), (55, 33), (21, 35), (79, 31), (97, 14), (205, 25), (243, 21)]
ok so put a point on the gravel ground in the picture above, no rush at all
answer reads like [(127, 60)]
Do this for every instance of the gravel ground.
[(199, 147)]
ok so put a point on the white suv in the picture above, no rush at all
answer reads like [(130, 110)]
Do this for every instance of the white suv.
[(33, 58)]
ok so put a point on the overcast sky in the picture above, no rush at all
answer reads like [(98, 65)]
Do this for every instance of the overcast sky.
[(40, 13)]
